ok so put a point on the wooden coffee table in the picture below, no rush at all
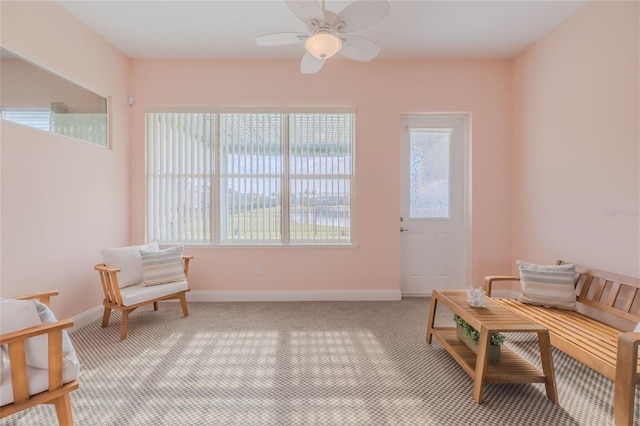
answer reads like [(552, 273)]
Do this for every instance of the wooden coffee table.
[(491, 319)]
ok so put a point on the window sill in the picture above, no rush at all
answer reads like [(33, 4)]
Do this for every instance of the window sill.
[(263, 246)]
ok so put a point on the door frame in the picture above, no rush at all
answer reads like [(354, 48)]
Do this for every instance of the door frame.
[(419, 120)]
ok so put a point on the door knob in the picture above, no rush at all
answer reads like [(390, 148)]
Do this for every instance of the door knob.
[(403, 229)]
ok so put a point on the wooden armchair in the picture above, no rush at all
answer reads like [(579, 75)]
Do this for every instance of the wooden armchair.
[(627, 378), (57, 392), (127, 299)]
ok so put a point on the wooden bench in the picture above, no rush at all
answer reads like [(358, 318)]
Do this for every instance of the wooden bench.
[(601, 296)]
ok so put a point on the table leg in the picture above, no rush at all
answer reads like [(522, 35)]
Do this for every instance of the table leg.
[(432, 316), (547, 366), (481, 364)]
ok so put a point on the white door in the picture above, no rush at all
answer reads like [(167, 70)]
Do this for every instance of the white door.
[(433, 222)]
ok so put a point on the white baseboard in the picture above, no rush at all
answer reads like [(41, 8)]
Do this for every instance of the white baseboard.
[(292, 295), (87, 317), (93, 314)]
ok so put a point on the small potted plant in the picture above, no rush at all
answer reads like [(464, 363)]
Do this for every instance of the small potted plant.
[(470, 336)]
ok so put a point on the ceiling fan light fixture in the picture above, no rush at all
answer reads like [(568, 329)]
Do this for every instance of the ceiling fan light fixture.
[(323, 45)]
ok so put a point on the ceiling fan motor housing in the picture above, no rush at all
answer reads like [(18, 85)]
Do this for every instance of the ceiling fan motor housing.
[(330, 33), (328, 24)]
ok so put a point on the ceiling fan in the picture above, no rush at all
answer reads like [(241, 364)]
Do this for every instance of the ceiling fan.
[(330, 33)]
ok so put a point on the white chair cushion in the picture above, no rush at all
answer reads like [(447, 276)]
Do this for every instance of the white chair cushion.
[(137, 294), (68, 353), (128, 260), (38, 380), (20, 314)]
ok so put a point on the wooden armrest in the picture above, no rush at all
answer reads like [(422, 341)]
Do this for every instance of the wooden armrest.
[(185, 261), (109, 281), (104, 268), (626, 377), (43, 297), (34, 331), (490, 279)]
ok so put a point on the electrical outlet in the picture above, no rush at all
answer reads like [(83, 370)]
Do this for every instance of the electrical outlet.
[(258, 269)]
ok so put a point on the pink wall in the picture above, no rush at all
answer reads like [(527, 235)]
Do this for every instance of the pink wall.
[(26, 85), (556, 129), (380, 91), (62, 200), (576, 142)]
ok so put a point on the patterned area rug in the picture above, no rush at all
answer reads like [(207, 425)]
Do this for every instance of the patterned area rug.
[(304, 363)]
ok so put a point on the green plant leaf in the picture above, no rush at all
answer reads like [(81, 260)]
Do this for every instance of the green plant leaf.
[(496, 339)]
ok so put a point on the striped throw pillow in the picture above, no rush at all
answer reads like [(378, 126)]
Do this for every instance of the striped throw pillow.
[(163, 266), (548, 285)]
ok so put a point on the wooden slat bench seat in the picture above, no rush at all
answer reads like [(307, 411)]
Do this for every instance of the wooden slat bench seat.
[(584, 336)]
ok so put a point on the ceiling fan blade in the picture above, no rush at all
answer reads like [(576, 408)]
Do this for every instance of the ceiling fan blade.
[(310, 64), (279, 39), (306, 10), (358, 48), (360, 14)]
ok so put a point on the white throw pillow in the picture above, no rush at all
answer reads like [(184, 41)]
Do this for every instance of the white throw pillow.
[(163, 266), (637, 329), (20, 314), (128, 260), (47, 316), (548, 285)]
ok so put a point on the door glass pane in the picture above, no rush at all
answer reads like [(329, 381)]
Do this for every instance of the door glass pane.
[(429, 174)]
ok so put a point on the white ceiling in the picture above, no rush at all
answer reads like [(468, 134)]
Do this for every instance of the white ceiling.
[(227, 29)]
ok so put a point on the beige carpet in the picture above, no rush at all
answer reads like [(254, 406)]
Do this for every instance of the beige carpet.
[(304, 363)]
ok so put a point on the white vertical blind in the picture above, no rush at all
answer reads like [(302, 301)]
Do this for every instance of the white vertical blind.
[(39, 118), (320, 147), (251, 148), (179, 177), (283, 178)]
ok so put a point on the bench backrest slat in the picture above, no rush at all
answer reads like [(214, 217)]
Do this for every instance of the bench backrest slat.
[(632, 294), (611, 293)]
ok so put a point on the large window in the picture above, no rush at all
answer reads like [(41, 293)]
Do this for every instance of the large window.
[(249, 178)]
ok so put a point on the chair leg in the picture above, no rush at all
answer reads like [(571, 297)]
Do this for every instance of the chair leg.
[(155, 306), (63, 410), (123, 325), (183, 302), (105, 317)]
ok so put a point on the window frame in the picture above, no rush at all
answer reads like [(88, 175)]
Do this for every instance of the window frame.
[(215, 218)]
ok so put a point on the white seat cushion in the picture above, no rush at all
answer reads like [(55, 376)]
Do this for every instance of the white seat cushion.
[(38, 380), (137, 294)]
